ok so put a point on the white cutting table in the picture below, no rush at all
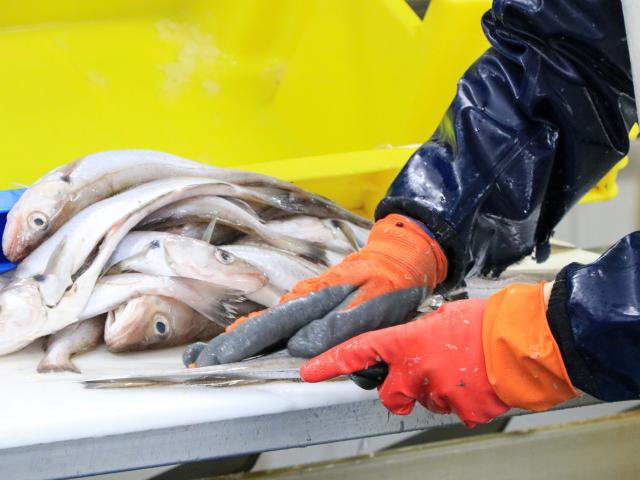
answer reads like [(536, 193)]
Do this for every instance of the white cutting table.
[(52, 427)]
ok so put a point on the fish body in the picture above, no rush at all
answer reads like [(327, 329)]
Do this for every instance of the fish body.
[(189, 230), (59, 195), (282, 269), (76, 338), (226, 212), (153, 321), (221, 235), (215, 302), (166, 254), (330, 233), (49, 292), (305, 203), (56, 261)]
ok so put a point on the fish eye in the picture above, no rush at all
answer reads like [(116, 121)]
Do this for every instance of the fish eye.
[(160, 325), (38, 221), (224, 257)]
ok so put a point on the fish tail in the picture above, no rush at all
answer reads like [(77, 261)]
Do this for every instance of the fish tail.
[(48, 365)]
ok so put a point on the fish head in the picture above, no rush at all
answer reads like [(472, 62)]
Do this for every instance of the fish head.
[(35, 216), (146, 322), (206, 262), (23, 317)]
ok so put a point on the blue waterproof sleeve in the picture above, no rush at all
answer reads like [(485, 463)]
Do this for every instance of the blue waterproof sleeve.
[(594, 314), (536, 122)]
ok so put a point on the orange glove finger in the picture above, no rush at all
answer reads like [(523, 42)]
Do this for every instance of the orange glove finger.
[(395, 395), (348, 357)]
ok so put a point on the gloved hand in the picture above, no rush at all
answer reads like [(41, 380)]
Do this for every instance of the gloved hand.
[(475, 358), (381, 285)]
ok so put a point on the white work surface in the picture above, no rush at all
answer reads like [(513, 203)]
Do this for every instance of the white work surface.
[(52, 427)]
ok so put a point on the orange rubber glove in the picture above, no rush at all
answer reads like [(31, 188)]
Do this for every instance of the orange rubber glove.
[(381, 285), (475, 358)]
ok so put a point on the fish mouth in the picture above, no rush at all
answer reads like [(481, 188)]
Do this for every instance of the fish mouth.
[(118, 334), (23, 317), (248, 282), (11, 246), (260, 277)]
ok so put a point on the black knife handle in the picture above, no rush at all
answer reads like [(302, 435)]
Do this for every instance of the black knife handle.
[(371, 377)]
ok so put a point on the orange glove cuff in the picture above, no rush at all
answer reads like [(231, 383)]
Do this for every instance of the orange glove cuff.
[(524, 363)]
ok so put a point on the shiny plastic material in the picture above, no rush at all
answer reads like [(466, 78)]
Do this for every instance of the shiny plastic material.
[(524, 363), (7, 199), (601, 305), (631, 10), (536, 122)]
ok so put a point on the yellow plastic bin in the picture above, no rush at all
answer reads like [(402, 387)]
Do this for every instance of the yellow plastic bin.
[(233, 82), (321, 92)]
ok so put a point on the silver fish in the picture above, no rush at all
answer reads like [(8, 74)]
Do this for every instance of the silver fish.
[(60, 194), (76, 338), (333, 234), (153, 321), (278, 366), (50, 292), (220, 236), (282, 269), (165, 254), (189, 230), (55, 263), (215, 302), (230, 213), (305, 203)]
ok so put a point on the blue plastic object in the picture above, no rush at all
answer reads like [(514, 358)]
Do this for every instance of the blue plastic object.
[(8, 198)]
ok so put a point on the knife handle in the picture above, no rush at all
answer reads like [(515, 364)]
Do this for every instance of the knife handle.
[(371, 377)]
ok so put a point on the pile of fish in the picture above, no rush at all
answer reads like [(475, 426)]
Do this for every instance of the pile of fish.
[(145, 249)]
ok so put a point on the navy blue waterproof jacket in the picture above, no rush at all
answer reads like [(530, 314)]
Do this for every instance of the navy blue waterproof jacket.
[(536, 122)]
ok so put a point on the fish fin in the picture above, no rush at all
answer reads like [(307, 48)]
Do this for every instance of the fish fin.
[(218, 304), (207, 236), (224, 311), (346, 229), (55, 258), (51, 278), (48, 365), (227, 310), (118, 268), (125, 265), (306, 249)]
